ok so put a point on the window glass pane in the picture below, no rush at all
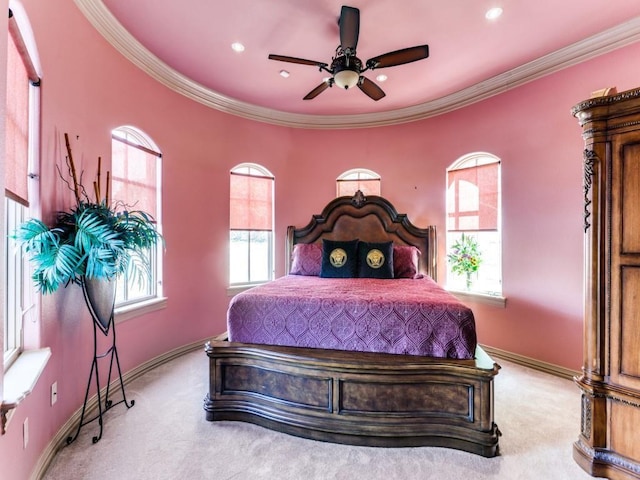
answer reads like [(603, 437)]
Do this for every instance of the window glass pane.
[(15, 279), (137, 288), (350, 187), (349, 182), (488, 278), (259, 253), (490, 275), (473, 209), (251, 225), (239, 256), (250, 256), (135, 184)]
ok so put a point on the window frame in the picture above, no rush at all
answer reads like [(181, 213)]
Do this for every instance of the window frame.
[(132, 137), (21, 308), (468, 161), (258, 171), (358, 175), (23, 367)]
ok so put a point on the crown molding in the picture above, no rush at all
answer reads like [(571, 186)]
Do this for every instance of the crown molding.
[(108, 26)]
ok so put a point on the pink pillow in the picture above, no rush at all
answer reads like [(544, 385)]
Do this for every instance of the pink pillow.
[(405, 261), (306, 259)]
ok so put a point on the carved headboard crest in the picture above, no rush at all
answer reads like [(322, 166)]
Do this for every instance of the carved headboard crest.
[(358, 199), (369, 219)]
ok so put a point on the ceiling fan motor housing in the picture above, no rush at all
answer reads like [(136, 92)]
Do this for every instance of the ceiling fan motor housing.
[(346, 71)]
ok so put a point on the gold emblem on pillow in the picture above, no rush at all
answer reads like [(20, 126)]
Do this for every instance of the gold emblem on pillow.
[(375, 258), (338, 257)]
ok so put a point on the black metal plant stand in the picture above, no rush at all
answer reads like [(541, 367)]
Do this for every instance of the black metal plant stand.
[(106, 323)]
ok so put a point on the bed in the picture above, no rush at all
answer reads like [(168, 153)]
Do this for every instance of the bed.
[(348, 385)]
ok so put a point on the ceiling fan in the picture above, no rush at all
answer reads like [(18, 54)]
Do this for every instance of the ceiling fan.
[(346, 68)]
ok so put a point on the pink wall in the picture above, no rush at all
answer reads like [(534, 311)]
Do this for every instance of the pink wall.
[(88, 89)]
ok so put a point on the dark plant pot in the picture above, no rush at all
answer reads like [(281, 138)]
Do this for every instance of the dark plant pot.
[(100, 296)]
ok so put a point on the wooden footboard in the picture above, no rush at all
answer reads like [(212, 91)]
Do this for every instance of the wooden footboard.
[(355, 398)]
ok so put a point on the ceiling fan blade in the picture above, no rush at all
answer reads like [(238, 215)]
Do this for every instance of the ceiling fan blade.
[(317, 91), (349, 28), (302, 61), (370, 89), (399, 57)]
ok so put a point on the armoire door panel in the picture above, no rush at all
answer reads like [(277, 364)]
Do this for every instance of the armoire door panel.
[(630, 202), (630, 323), (625, 437)]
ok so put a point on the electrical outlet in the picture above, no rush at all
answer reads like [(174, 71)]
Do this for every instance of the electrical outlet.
[(25, 433), (54, 393)]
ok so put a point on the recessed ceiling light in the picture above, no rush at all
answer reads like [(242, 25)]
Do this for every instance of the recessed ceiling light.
[(381, 78), (237, 47), (284, 73), (493, 13)]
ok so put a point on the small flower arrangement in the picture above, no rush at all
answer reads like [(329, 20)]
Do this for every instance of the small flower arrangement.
[(465, 257)]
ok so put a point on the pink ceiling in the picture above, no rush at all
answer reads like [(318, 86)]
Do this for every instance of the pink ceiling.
[(194, 37)]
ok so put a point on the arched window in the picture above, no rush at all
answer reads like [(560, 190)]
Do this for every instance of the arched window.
[(356, 179), (21, 187), (250, 225), (136, 172), (474, 246)]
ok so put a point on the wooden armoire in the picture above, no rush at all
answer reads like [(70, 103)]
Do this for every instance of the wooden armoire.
[(609, 440)]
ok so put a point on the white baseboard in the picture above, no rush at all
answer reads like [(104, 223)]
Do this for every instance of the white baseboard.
[(532, 363), (60, 439)]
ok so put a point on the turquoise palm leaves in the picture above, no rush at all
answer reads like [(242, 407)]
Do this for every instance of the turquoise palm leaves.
[(92, 241)]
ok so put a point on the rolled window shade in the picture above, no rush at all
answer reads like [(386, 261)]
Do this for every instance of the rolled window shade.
[(134, 177), (473, 201), (17, 126), (251, 202), (21, 48), (368, 186)]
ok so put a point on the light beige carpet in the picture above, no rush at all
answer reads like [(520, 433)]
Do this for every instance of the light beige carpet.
[(165, 436)]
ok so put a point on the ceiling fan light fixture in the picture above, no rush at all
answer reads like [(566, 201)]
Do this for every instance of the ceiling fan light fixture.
[(346, 78)]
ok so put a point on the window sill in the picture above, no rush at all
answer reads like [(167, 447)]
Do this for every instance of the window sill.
[(493, 300), (123, 314), (20, 380), (236, 289)]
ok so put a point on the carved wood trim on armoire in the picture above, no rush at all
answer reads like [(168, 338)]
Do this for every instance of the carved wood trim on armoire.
[(609, 440)]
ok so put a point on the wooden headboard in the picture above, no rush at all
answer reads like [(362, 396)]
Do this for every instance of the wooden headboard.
[(370, 219)]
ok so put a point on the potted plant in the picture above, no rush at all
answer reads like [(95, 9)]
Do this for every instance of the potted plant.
[(94, 241), (465, 257)]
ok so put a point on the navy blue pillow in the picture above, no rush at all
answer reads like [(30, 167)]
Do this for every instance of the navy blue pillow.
[(375, 260), (339, 259)]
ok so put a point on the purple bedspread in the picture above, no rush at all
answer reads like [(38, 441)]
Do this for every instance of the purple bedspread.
[(402, 316)]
